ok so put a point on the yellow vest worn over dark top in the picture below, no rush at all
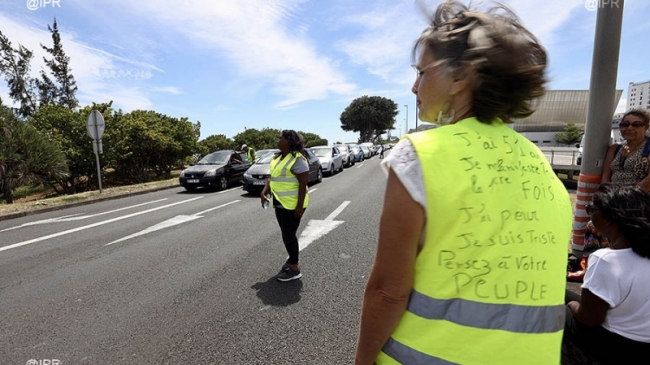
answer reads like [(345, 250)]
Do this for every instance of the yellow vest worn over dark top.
[(284, 184), (489, 282)]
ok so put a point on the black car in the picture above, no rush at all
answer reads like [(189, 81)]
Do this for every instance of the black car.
[(257, 175), (218, 169)]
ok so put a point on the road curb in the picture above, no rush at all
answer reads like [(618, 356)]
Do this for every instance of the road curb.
[(80, 203)]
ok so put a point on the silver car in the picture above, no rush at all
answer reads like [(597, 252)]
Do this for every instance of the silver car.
[(348, 154), (331, 158)]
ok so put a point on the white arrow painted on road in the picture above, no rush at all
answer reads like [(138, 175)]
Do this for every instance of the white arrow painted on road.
[(94, 225), (179, 219), (318, 228), (77, 217)]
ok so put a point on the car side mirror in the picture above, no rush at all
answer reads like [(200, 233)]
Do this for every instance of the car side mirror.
[(577, 145)]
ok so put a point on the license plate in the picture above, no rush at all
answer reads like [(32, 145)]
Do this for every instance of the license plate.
[(192, 181), (259, 182)]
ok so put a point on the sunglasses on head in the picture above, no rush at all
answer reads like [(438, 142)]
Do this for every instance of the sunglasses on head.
[(636, 124)]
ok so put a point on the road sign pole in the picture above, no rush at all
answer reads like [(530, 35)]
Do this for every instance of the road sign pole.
[(95, 126), (99, 171)]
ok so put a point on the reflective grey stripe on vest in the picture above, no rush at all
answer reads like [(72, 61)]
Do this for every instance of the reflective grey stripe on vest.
[(286, 193), (506, 317), (406, 355), (284, 179)]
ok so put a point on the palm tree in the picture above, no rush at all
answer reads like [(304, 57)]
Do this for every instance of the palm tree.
[(26, 156)]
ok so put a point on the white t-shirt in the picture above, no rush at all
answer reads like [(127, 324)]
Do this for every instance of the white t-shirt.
[(620, 278), (406, 165)]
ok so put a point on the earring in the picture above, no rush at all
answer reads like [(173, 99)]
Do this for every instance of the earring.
[(442, 120)]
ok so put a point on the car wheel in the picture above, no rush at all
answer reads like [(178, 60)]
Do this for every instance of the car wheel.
[(319, 176), (341, 168), (332, 170), (189, 188), (223, 183)]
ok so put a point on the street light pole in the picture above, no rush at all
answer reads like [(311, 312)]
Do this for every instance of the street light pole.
[(407, 117)]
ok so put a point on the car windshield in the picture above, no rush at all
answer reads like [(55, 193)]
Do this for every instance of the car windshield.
[(266, 159), (322, 152), (343, 149), (355, 149), (216, 158)]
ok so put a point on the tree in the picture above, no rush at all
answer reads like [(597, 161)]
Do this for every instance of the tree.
[(371, 116), (15, 66), (572, 134), (67, 129), (26, 155), (216, 142), (258, 140), (311, 140), (59, 65)]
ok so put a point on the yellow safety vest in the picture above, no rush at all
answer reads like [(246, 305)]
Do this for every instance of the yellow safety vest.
[(489, 282), (284, 184), (249, 155)]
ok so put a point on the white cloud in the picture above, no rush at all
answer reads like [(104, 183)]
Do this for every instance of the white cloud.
[(100, 75), (262, 39)]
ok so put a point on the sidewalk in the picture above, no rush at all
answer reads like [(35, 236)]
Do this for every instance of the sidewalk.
[(11, 211)]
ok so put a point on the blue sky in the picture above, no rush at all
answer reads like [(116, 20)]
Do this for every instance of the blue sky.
[(285, 64)]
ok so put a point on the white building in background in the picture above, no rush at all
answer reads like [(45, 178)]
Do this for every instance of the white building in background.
[(555, 110), (638, 96)]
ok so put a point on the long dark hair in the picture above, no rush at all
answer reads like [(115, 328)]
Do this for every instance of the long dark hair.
[(628, 206), (294, 138)]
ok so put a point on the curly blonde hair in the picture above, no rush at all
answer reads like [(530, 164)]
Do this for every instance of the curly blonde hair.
[(506, 61)]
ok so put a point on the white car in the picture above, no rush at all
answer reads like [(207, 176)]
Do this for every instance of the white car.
[(331, 159)]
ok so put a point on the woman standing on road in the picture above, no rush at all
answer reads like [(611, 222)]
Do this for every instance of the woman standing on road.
[(471, 258), (288, 184)]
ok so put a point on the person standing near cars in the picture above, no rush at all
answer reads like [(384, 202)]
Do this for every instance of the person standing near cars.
[(288, 186), (250, 153), (471, 258)]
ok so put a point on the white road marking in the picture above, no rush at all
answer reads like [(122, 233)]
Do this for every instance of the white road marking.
[(179, 219), (77, 217), (94, 225), (312, 190), (231, 189), (360, 166), (317, 228)]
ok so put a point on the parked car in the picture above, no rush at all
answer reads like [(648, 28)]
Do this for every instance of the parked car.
[(315, 170), (262, 153), (217, 169), (348, 155), (366, 152), (357, 152), (257, 175), (331, 159), (371, 147)]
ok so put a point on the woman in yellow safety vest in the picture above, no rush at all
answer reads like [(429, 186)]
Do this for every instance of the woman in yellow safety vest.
[(471, 258), (288, 185)]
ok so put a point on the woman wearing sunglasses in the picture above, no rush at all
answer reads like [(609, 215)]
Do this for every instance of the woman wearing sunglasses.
[(610, 320), (627, 164)]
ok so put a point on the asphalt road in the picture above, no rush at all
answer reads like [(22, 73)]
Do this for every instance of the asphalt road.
[(172, 277)]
